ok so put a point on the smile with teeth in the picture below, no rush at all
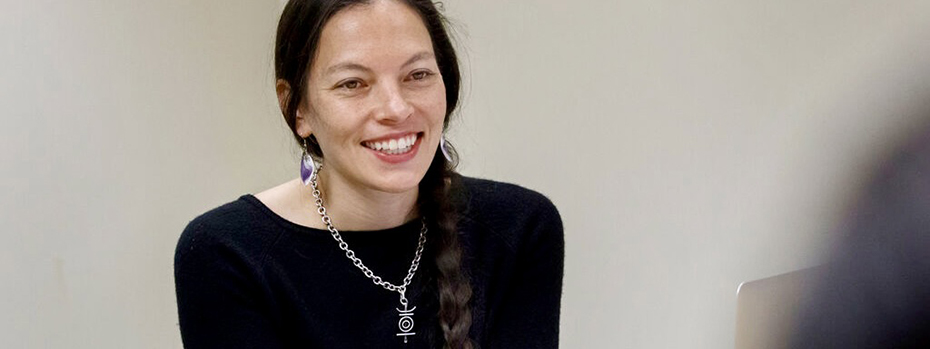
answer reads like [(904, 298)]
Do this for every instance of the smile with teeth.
[(394, 146)]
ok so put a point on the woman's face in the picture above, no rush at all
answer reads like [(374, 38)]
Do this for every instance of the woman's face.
[(375, 98)]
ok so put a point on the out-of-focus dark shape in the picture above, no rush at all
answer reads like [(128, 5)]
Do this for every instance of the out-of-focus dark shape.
[(875, 292)]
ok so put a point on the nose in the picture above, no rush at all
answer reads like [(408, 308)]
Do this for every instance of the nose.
[(392, 105)]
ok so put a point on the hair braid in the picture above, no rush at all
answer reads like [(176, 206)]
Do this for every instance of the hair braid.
[(439, 194)]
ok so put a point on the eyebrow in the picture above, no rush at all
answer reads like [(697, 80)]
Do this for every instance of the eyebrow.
[(417, 57), (355, 66)]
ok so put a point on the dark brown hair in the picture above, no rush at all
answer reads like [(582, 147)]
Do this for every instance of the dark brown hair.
[(296, 43)]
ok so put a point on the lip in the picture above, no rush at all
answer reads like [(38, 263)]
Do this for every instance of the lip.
[(396, 158)]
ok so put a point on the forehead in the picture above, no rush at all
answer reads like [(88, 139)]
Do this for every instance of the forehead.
[(379, 33)]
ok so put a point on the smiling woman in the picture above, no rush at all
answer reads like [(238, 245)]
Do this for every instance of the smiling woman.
[(374, 81), (380, 243)]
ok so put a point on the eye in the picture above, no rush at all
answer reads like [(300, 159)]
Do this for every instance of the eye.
[(350, 85), (420, 75)]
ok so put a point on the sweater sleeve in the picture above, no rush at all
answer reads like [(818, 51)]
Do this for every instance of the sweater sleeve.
[(529, 314), (220, 300)]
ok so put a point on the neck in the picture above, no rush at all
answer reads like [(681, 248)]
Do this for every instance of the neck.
[(353, 208)]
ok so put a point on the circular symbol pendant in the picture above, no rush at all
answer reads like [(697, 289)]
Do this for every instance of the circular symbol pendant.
[(405, 323)]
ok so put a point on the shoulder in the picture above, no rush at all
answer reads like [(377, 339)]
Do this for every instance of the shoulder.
[(238, 229), (512, 211), (484, 195)]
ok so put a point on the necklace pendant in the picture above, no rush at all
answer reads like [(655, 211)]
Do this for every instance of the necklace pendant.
[(405, 323)]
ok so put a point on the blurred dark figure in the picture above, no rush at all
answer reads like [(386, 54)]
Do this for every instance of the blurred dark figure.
[(875, 293)]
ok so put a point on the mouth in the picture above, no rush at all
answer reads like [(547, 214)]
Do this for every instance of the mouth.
[(394, 146)]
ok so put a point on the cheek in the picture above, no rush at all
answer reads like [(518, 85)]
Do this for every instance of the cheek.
[(329, 117), (437, 104), (321, 125)]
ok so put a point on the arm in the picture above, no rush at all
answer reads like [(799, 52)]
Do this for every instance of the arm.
[(220, 298)]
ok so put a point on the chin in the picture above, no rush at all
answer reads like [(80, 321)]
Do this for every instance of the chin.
[(400, 179), (399, 183)]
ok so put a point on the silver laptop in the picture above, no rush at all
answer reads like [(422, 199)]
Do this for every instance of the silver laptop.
[(767, 309)]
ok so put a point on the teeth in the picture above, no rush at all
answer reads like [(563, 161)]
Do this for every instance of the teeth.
[(394, 146)]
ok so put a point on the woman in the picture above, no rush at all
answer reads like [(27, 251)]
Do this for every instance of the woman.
[(324, 261)]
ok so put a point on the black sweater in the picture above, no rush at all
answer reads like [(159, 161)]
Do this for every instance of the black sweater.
[(247, 278)]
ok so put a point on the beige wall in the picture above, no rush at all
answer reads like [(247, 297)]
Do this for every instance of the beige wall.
[(688, 148)]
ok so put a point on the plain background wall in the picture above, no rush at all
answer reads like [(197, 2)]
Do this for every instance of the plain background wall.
[(688, 147)]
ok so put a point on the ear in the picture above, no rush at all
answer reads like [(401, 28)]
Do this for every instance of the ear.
[(284, 90), (302, 125)]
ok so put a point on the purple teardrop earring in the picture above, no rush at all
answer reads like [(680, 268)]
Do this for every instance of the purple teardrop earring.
[(442, 146), (307, 166)]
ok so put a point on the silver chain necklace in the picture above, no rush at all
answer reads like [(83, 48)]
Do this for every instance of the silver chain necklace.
[(405, 323)]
